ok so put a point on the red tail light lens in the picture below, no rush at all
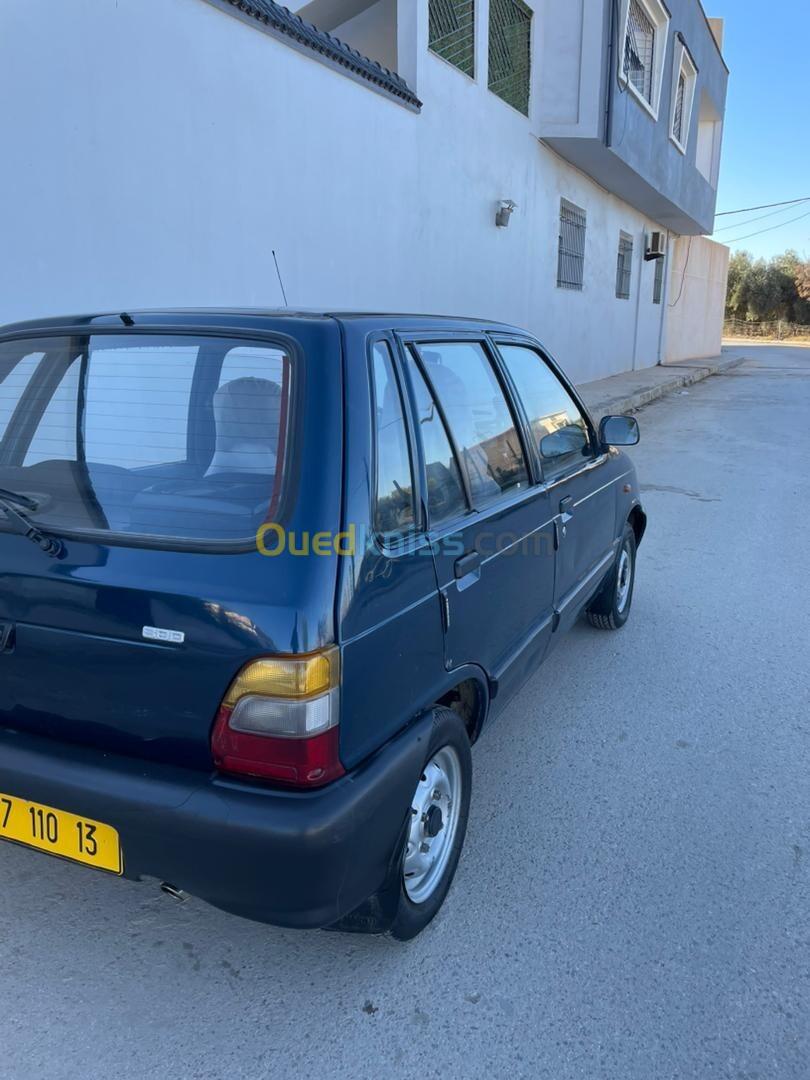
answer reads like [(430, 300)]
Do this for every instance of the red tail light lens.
[(279, 720)]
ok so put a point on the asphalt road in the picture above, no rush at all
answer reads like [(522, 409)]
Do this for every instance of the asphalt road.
[(634, 896)]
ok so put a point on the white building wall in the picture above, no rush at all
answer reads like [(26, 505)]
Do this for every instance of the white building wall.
[(157, 150), (697, 300), (570, 44)]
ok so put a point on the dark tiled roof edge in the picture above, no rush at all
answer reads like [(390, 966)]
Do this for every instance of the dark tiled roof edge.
[(283, 21)]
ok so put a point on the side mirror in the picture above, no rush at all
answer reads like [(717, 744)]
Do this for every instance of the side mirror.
[(619, 431), (567, 440)]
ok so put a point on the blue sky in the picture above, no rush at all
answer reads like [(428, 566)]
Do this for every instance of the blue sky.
[(766, 145)]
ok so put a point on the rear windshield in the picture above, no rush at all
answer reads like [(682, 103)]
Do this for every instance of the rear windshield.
[(170, 437)]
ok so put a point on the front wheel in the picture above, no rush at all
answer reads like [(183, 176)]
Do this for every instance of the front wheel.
[(610, 609)]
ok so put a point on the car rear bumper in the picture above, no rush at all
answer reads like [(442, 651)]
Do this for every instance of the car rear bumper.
[(299, 859)]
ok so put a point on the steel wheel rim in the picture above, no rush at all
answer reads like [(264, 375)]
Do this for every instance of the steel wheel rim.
[(438, 793), (624, 579)]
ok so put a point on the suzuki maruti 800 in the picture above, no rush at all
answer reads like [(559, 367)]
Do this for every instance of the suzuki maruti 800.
[(265, 579)]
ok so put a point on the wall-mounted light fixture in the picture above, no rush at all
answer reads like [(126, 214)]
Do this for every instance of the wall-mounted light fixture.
[(505, 210)]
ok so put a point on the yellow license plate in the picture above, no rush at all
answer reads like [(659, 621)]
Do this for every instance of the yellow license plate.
[(59, 833)]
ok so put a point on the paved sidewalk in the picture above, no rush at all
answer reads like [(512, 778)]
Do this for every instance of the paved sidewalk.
[(634, 389)]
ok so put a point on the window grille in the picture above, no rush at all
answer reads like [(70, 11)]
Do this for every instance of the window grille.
[(452, 32), (680, 101), (510, 24), (639, 50), (571, 251), (658, 282), (624, 267)]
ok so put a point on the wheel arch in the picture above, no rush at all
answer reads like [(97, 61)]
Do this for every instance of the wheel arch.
[(638, 520), (467, 695)]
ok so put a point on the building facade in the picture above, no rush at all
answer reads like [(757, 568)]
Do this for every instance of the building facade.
[(511, 160)]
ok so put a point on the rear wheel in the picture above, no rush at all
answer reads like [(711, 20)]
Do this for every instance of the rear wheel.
[(610, 609), (423, 868), (438, 823)]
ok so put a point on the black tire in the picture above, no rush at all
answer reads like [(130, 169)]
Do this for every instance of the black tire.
[(411, 918), (610, 608), (391, 910)]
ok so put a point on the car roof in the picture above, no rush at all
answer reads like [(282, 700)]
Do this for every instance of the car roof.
[(250, 318)]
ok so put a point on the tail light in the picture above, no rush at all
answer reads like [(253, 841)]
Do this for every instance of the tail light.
[(279, 721)]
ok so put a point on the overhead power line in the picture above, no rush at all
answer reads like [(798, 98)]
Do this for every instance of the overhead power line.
[(750, 236), (766, 206), (751, 221)]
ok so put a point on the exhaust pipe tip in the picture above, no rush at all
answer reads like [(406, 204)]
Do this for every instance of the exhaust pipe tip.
[(175, 893)]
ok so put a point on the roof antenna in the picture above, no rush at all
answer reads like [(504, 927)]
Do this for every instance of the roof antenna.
[(127, 320), (281, 283)]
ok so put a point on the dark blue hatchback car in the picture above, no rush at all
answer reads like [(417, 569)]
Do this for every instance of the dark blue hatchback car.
[(265, 578)]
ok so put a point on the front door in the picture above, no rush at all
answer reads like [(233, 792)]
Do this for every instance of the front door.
[(580, 478), (585, 502), (490, 527)]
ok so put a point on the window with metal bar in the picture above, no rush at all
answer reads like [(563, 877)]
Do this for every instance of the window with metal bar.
[(680, 96), (510, 44), (451, 33), (683, 97), (571, 250), (624, 266), (639, 50), (658, 281)]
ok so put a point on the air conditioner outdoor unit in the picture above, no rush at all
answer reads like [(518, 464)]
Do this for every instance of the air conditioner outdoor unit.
[(656, 246)]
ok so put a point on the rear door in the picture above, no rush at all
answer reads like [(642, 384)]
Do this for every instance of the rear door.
[(580, 479), (157, 458), (490, 526), (390, 615)]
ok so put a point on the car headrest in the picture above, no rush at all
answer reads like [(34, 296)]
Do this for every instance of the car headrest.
[(247, 414)]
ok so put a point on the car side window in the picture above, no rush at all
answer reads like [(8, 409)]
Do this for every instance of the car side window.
[(478, 417), (394, 504), (558, 427), (446, 498)]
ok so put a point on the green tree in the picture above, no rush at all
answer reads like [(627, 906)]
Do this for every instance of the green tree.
[(738, 269), (764, 293), (754, 289), (803, 280), (801, 306), (784, 269), (763, 290)]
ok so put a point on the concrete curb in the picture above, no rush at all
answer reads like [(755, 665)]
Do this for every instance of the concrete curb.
[(624, 397)]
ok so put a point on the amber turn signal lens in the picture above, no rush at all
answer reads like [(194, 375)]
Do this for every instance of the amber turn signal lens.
[(287, 677)]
